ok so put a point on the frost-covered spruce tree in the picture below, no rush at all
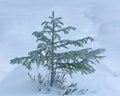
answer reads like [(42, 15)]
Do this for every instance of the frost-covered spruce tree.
[(49, 42)]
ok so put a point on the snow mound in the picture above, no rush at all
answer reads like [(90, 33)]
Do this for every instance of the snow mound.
[(100, 83), (17, 83)]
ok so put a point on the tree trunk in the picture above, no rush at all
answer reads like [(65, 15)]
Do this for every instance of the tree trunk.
[(52, 57)]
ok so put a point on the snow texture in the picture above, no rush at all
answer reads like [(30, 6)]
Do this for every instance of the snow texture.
[(97, 18)]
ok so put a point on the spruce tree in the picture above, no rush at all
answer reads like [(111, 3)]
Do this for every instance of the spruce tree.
[(49, 42)]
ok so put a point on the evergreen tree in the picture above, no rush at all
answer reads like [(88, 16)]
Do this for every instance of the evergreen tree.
[(46, 54)]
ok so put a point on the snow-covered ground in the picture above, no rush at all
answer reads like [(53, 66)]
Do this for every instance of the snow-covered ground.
[(97, 18)]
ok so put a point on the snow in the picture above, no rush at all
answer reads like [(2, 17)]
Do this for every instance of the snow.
[(100, 83), (97, 18), (21, 85)]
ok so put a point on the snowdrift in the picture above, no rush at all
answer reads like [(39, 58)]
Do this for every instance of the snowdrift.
[(100, 83)]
